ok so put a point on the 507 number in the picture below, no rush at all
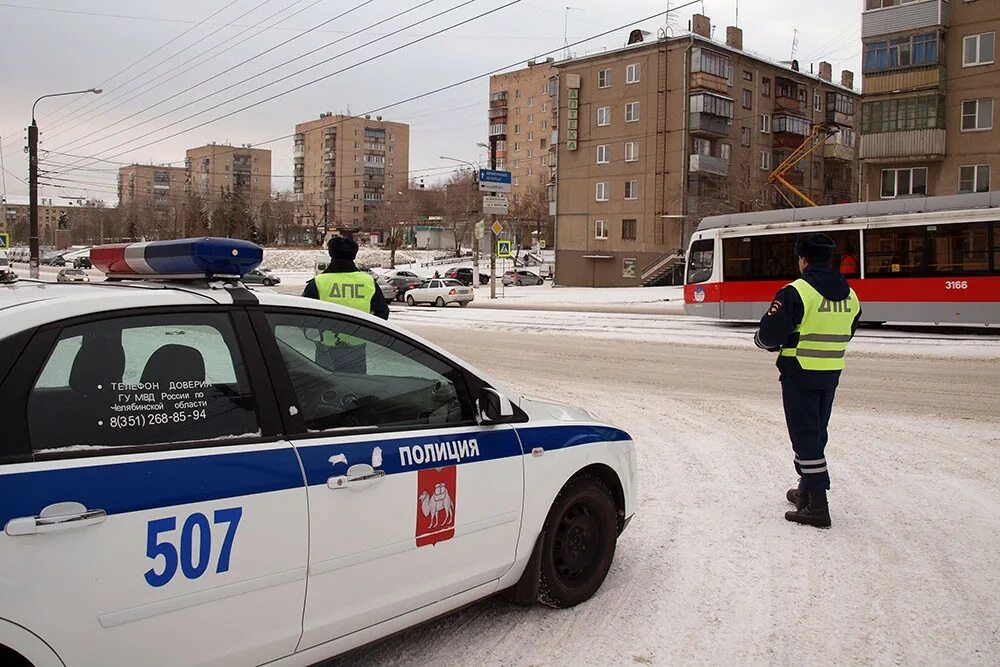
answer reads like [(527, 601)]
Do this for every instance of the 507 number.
[(956, 284), (193, 562)]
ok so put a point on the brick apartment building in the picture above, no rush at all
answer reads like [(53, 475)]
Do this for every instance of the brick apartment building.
[(929, 88), (349, 167), (214, 168), (149, 184), (659, 134)]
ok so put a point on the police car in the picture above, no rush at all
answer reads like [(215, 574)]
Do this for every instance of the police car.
[(194, 473)]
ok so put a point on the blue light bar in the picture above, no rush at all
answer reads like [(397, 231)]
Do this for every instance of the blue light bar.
[(184, 258)]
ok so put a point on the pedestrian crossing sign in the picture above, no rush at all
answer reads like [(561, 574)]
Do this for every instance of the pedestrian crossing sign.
[(503, 249), (4, 240)]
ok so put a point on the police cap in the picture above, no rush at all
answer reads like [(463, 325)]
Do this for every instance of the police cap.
[(341, 247), (815, 248)]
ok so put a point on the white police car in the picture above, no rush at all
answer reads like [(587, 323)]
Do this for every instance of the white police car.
[(198, 474)]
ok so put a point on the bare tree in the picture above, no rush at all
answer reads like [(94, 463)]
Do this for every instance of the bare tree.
[(532, 211), (462, 206)]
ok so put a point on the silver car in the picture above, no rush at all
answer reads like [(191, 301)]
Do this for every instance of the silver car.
[(72, 276), (441, 292)]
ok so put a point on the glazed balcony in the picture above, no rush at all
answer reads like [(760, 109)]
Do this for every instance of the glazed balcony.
[(903, 16)]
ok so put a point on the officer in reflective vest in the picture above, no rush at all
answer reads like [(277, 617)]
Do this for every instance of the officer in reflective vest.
[(344, 284), (810, 322)]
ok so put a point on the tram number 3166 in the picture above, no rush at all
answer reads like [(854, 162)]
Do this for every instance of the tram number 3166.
[(956, 284)]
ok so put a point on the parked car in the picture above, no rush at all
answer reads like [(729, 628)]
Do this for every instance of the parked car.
[(400, 273), (522, 277), (54, 260), (72, 276), (441, 292), (404, 285), (464, 275), (388, 289), (82, 262), (4, 260), (261, 277)]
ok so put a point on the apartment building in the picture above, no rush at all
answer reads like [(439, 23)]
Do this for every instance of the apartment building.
[(216, 168), (347, 167), (150, 185), (659, 134), (15, 213), (929, 89), (522, 121)]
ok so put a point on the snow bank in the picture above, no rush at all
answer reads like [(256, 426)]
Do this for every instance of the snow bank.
[(303, 260)]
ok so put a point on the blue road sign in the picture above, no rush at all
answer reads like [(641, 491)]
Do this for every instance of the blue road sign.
[(4, 240), (491, 180)]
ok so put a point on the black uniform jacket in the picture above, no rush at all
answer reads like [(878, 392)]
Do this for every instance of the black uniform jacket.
[(379, 308), (777, 327)]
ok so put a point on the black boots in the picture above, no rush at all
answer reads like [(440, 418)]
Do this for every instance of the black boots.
[(816, 512), (798, 497)]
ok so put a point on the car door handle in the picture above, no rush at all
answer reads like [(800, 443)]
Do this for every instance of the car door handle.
[(37, 525), (359, 476)]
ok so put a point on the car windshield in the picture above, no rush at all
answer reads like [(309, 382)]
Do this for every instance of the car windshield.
[(73, 272), (452, 283)]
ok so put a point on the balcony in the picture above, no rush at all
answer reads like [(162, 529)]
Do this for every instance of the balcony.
[(838, 151), (837, 186), (299, 151), (915, 145), (903, 17), (708, 164), (706, 81), (498, 113), (499, 131), (706, 124), (899, 81)]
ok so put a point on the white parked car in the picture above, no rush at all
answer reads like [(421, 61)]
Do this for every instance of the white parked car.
[(72, 276), (196, 473), (441, 292)]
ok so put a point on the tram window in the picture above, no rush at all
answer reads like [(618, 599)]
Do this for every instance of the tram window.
[(996, 247), (737, 255), (958, 249), (772, 257), (896, 251), (700, 261)]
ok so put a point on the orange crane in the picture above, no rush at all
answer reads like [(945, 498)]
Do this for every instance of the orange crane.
[(820, 133)]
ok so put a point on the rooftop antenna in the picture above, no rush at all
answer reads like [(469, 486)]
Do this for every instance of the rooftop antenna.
[(566, 30), (795, 42), (737, 13)]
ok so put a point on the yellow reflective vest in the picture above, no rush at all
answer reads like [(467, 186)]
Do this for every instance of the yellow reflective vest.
[(354, 290), (824, 331)]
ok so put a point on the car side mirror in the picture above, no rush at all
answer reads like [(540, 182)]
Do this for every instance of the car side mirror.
[(493, 407)]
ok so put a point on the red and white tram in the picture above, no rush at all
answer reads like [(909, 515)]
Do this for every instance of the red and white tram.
[(925, 260)]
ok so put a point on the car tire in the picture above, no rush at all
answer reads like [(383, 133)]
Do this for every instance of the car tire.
[(268, 283), (540, 282), (410, 301), (463, 304), (439, 302), (580, 535)]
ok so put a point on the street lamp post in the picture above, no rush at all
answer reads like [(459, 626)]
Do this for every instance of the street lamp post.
[(33, 177), (492, 146), (475, 236)]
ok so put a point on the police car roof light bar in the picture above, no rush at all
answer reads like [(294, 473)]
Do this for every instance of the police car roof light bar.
[(183, 259)]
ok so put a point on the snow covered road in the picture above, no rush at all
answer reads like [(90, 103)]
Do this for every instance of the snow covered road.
[(709, 572)]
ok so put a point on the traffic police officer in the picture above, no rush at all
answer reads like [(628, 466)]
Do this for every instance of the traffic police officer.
[(810, 323), (342, 283)]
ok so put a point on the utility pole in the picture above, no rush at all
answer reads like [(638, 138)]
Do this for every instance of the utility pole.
[(493, 219), (33, 197)]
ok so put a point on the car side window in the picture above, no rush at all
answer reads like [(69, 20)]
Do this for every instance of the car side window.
[(142, 380), (348, 375)]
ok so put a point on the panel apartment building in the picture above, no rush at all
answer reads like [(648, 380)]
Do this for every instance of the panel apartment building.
[(216, 168), (929, 89), (159, 187), (659, 134), (348, 166)]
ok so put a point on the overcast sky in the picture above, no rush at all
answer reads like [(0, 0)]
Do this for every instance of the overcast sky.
[(44, 51)]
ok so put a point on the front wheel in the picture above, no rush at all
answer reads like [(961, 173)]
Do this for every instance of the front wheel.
[(409, 300), (268, 283), (439, 302), (540, 282), (463, 304), (580, 532)]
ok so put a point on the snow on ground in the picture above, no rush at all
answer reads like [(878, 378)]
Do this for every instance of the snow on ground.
[(684, 330), (299, 260), (709, 573)]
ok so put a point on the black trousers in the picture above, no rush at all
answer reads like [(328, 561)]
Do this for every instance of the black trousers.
[(807, 414)]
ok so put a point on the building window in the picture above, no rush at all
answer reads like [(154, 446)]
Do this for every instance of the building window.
[(545, 107), (904, 182), (631, 112), (629, 230), (601, 192), (603, 154), (631, 189), (817, 102), (747, 75), (531, 152), (745, 135), (715, 105), (632, 73), (978, 49), (726, 152), (531, 118), (910, 113), (803, 95), (517, 94), (544, 124), (631, 151), (517, 111), (765, 87), (911, 51), (712, 63), (543, 143), (531, 101), (531, 136), (974, 178), (600, 229), (747, 99), (516, 181), (517, 146), (603, 116), (765, 160), (604, 78), (765, 123), (702, 146), (977, 115), (530, 171), (629, 267), (517, 129)]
